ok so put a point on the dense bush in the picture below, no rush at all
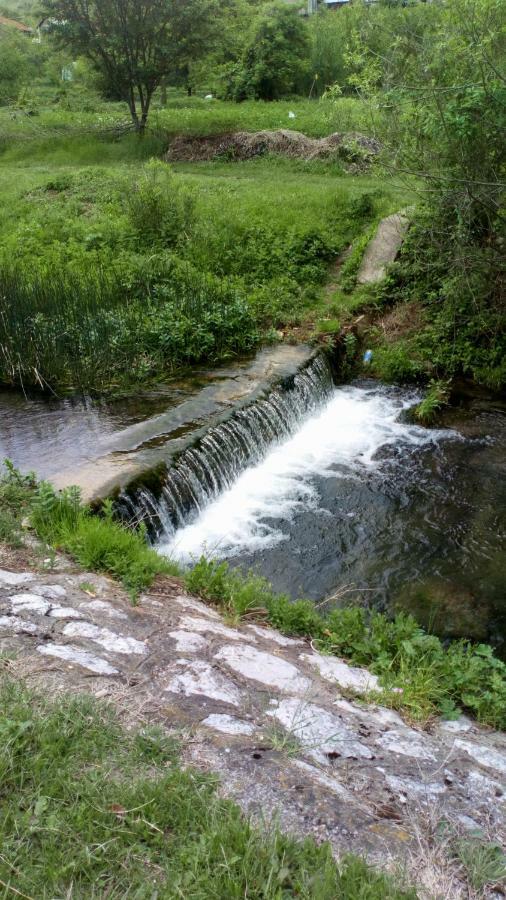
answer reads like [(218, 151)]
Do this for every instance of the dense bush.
[(276, 57)]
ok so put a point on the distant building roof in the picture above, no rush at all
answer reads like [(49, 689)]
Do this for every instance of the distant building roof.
[(12, 23)]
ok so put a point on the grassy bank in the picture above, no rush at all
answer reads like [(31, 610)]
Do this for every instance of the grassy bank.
[(421, 676), (116, 268), (92, 810)]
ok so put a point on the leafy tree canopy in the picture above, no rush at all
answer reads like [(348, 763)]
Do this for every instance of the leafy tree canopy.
[(134, 44)]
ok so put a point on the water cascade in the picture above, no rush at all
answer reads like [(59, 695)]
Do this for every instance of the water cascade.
[(204, 471)]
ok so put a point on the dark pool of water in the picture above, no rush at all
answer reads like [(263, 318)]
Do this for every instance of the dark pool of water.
[(424, 531)]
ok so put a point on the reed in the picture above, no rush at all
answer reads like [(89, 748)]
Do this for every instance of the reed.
[(86, 331)]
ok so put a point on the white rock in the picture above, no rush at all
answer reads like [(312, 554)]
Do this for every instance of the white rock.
[(456, 726), (414, 789), (14, 578), (348, 677), (101, 606), (191, 623), (197, 677), (23, 603), (481, 787), (379, 716), (52, 591), (187, 642), (228, 724), (265, 668), (485, 756), (408, 743), (18, 626), (270, 634), (115, 643), (64, 612), (318, 731), (78, 656), (196, 606)]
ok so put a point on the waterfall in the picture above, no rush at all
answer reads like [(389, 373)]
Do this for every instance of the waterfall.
[(202, 472)]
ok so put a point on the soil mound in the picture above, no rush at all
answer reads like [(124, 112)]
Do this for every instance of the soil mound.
[(355, 150)]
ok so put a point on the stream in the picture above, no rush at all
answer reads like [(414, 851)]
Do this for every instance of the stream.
[(328, 491)]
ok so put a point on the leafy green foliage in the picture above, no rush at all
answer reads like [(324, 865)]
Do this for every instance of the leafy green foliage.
[(483, 862), (275, 61), (160, 209), (100, 544), (90, 808), (61, 520), (421, 674), (435, 398), (133, 44), (14, 489)]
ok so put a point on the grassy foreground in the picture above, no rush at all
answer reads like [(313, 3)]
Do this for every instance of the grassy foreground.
[(91, 810), (422, 677)]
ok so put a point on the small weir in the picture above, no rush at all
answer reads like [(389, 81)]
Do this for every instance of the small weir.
[(210, 467)]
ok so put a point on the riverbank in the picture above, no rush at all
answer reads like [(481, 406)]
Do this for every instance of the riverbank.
[(291, 733)]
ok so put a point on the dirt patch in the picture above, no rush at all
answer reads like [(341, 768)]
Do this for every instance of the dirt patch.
[(355, 150), (404, 320)]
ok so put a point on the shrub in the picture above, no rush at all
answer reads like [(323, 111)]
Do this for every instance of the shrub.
[(160, 208)]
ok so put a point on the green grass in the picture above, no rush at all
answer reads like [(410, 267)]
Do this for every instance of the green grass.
[(115, 268), (90, 810), (421, 675)]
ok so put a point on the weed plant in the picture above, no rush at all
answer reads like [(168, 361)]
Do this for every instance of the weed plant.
[(92, 810)]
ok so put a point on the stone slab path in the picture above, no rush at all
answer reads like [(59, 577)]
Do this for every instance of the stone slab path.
[(383, 248), (269, 714)]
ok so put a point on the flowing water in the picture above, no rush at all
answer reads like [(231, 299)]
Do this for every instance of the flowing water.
[(351, 501), (329, 491)]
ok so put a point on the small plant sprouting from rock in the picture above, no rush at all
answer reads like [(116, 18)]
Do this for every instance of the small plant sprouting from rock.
[(435, 399)]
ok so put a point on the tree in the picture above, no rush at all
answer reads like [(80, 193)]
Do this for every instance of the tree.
[(276, 58), (134, 44)]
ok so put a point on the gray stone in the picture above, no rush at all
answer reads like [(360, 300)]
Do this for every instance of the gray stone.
[(102, 607), (12, 579), (414, 789), (18, 626), (270, 634), (326, 781), (192, 623), (51, 591), (383, 248), (79, 657), (485, 756), (265, 668), (408, 743), (228, 724), (23, 603), (64, 612), (187, 642), (319, 733)]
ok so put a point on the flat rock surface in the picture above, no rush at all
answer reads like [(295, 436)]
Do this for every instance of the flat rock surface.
[(383, 248), (284, 727)]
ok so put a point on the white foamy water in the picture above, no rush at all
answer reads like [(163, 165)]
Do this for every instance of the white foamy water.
[(340, 440)]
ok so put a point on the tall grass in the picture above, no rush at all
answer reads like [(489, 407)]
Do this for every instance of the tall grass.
[(82, 331)]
